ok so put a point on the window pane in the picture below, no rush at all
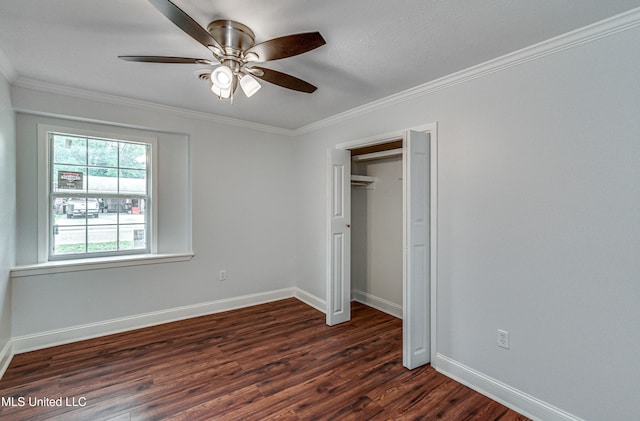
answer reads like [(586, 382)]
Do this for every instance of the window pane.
[(68, 234), (67, 178), (69, 239), (103, 180), (102, 238), (103, 153), (133, 155), (62, 212), (107, 221), (110, 205), (132, 237), (131, 211), (133, 181), (69, 150), (119, 206), (80, 207), (58, 208), (102, 217), (65, 212)]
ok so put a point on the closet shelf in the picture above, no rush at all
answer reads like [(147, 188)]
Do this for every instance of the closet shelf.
[(362, 180)]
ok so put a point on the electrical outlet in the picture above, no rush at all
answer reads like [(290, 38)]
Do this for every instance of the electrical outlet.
[(223, 275), (503, 339)]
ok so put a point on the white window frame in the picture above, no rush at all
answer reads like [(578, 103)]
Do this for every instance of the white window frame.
[(45, 227)]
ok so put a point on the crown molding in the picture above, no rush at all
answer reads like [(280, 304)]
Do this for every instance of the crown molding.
[(580, 36), (48, 87)]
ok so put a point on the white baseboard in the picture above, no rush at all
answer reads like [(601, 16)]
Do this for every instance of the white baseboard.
[(311, 300), (93, 330), (5, 357), (515, 399), (378, 303)]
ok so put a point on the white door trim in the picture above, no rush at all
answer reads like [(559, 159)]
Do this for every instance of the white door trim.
[(432, 129)]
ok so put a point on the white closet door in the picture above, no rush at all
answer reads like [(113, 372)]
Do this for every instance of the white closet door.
[(416, 282), (339, 239)]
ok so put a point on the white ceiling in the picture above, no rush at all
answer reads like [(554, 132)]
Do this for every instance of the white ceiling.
[(374, 48)]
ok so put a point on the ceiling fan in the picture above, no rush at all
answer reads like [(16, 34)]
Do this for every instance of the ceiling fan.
[(235, 52)]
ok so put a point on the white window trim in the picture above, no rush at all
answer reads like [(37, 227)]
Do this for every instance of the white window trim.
[(44, 183), (94, 263)]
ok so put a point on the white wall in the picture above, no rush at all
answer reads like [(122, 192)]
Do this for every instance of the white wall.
[(376, 235), (7, 208), (242, 198), (539, 223)]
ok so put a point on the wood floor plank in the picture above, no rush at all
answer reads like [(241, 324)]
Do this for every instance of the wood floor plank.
[(276, 361)]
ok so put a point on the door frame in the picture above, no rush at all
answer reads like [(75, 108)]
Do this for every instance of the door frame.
[(432, 129)]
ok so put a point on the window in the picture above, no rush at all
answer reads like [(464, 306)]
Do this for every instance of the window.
[(99, 195)]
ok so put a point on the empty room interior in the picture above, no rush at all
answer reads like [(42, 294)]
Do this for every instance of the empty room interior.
[(320, 210)]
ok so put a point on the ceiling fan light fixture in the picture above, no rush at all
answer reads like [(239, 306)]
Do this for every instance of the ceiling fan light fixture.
[(222, 77), (222, 93), (249, 85)]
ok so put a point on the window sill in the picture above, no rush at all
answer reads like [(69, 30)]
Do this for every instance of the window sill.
[(63, 266)]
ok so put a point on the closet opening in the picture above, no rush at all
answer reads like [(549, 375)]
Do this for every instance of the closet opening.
[(415, 151), (376, 226)]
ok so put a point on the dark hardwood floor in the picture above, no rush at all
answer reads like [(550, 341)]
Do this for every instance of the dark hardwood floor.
[(272, 361)]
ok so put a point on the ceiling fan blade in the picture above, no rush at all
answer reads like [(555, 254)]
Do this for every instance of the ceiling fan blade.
[(283, 47), (186, 23), (163, 59), (282, 79)]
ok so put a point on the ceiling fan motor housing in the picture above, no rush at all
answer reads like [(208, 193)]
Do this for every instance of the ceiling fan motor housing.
[(233, 36)]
